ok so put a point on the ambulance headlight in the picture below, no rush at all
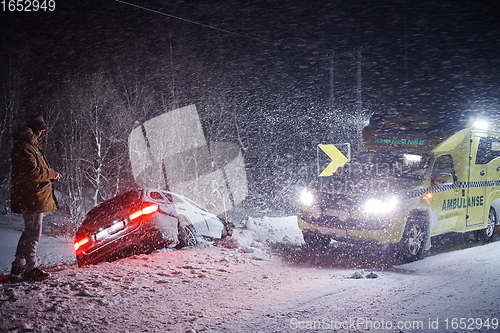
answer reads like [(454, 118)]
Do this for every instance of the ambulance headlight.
[(380, 206), (306, 197)]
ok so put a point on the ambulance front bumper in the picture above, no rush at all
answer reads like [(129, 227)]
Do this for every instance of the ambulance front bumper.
[(352, 230), (342, 220)]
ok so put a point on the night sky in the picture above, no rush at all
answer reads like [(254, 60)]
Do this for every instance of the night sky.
[(417, 55)]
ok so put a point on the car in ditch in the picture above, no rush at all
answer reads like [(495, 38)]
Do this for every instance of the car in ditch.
[(141, 221)]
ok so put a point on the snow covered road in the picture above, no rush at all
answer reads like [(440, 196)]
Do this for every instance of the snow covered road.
[(256, 287), (251, 289), (52, 250)]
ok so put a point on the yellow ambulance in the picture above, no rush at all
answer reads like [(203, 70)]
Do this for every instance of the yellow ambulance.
[(415, 179)]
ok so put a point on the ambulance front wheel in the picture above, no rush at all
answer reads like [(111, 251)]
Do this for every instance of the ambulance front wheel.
[(315, 240), (488, 234), (411, 246)]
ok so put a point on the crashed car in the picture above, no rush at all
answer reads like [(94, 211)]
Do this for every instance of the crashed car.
[(141, 221)]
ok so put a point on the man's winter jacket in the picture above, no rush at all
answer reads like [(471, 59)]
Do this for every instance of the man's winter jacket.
[(31, 182)]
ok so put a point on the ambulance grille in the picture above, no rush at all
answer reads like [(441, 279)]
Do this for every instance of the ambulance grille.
[(350, 203), (338, 201)]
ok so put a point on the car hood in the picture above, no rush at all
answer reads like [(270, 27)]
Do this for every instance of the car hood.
[(364, 184)]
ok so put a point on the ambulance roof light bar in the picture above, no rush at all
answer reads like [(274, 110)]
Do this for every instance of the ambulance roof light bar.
[(480, 125)]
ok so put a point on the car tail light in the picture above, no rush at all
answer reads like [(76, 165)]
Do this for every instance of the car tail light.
[(81, 242), (150, 209)]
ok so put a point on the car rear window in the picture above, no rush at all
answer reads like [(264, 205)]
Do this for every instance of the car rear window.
[(113, 205)]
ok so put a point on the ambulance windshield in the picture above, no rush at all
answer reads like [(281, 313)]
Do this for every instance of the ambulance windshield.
[(389, 164)]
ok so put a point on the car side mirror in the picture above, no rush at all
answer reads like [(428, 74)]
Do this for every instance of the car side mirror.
[(210, 207)]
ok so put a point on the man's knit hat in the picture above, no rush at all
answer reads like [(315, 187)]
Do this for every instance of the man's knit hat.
[(36, 124)]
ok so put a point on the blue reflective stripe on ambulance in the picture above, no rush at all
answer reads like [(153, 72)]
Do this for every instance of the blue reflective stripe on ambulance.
[(447, 187)]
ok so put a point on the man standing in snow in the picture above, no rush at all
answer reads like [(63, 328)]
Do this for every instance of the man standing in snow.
[(32, 194)]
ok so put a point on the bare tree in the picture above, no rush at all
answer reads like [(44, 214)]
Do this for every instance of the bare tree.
[(95, 100), (91, 143), (73, 149), (10, 101)]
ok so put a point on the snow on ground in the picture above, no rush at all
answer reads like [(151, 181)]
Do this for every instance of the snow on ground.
[(248, 285)]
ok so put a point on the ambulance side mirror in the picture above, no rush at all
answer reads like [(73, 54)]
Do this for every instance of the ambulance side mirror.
[(443, 178)]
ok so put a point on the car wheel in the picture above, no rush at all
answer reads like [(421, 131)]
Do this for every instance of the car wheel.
[(488, 234), (315, 240), (187, 233), (411, 246)]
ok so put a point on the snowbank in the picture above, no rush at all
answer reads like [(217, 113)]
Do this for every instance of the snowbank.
[(269, 230)]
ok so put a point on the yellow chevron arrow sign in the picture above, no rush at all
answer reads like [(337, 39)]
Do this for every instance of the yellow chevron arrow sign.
[(338, 159)]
